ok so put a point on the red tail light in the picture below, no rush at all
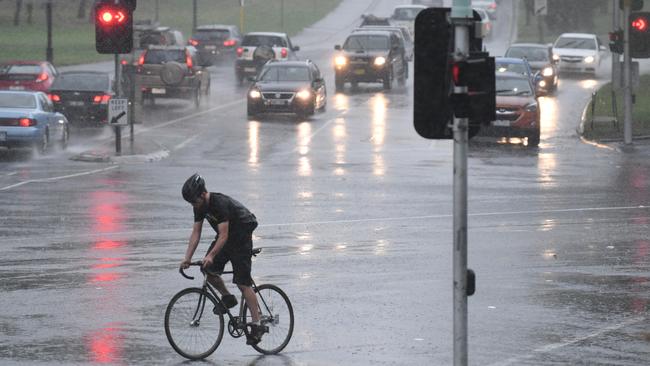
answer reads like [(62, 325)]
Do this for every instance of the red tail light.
[(493, 6), (141, 59), (240, 51), (188, 60), (26, 122), (42, 77), (194, 42), (123, 62), (54, 97), (101, 99), (284, 52), (229, 42)]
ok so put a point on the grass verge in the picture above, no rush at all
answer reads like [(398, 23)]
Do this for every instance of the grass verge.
[(603, 105), (74, 39)]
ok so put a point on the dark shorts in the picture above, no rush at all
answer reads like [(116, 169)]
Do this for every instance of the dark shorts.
[(238, 250)]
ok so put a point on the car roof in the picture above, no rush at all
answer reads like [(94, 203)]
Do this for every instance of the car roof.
[(289, 63), (214, 27), (89, 72), (578, 35), (166, 47), (274, 34), (372, 32), (511, 75), (538, 45), (410, 7), (31, 92)]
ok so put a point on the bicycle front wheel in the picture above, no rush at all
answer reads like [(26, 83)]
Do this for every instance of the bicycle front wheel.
[(276, 315), (192, 329)]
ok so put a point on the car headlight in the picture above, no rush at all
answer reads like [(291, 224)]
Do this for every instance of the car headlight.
[(532, 107), (548, 71), (340, 61), (254, 94), (380, 61), (589, 59), (556, 57), (303, 94), (542, 83)]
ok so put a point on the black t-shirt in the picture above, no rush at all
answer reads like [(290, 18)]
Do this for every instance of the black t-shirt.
[(222, 208)]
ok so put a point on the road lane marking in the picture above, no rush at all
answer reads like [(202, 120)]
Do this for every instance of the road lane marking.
[(58, 178), (554, 346)]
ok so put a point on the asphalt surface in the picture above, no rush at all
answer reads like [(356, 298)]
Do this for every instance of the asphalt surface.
[(355, 217)]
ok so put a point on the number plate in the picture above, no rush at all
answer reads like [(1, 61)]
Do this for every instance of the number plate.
[(16, 87), (277, 102), (3, 136), (249, 69), (158, 91), (501, 123), (210, 47), (77, 104), (359, 72)]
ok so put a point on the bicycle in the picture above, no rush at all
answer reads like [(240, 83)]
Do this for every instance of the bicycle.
[(195, 329)]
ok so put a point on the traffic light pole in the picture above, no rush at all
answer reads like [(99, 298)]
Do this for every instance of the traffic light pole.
[(461, 15), (118, 94), (627, 79)]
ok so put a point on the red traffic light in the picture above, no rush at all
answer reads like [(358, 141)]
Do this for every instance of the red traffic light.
[(108, 16), (640, 24)]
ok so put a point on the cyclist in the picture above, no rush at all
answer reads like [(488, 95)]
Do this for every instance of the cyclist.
[(234, 225)]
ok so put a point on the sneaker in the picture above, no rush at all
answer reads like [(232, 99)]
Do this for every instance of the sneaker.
[(228, 300), (255, 334)]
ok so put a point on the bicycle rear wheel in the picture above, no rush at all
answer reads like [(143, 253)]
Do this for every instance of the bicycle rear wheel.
[(277, 315), (192, 329)]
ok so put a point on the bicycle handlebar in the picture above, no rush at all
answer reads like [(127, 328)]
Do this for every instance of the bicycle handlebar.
[(182, 272)]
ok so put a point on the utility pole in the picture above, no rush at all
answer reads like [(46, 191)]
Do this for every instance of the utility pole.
[(627, 79), (49, 51), (241, 16), (461, 17), (194, 9)]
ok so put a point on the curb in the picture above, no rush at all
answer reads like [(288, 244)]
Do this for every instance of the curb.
[(103, 157)]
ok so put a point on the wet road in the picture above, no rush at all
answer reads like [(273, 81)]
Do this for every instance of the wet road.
[(355, 216)]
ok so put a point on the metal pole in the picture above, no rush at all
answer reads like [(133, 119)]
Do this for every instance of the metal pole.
[(49, 51), (282, 15), (616, 24), (241, 16), (461, 14), (118, 94), (157, 11), (627, 82), (194, 15)]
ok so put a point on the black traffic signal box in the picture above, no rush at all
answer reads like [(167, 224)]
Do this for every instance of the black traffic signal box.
[(639, 27), (434, 102), (114, 26)]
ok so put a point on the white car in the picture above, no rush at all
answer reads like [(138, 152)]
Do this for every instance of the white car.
[(259, 47), (404, 16), (578, 52)]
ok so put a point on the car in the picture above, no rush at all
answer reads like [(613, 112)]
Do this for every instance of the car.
[(171, 72), (370, 56), (371, 19), (404, 15), (146, 34), (288, 87), (518, 113), (82, 96), (540, 59), (257, 48), (404, 33), (27, 75), (516, 65), (490, 7), (28, 119), (429, 3), (578, 52), (215, 42)]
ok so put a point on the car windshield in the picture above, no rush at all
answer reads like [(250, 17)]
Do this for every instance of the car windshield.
[(15, 100), (20, 69), (285, 73), (366, 42), (406, 13), (577, 43), (529, 53), (513, 86), (82, 82), (211, 35), (518, 68), (164, 56), (259, 40)]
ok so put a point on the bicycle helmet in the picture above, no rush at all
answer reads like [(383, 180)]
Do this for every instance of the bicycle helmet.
[(193, 187)]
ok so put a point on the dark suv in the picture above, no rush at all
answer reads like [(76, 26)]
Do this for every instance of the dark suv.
[(259, 47), (369, 57), (214, 42), (171, 72)]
